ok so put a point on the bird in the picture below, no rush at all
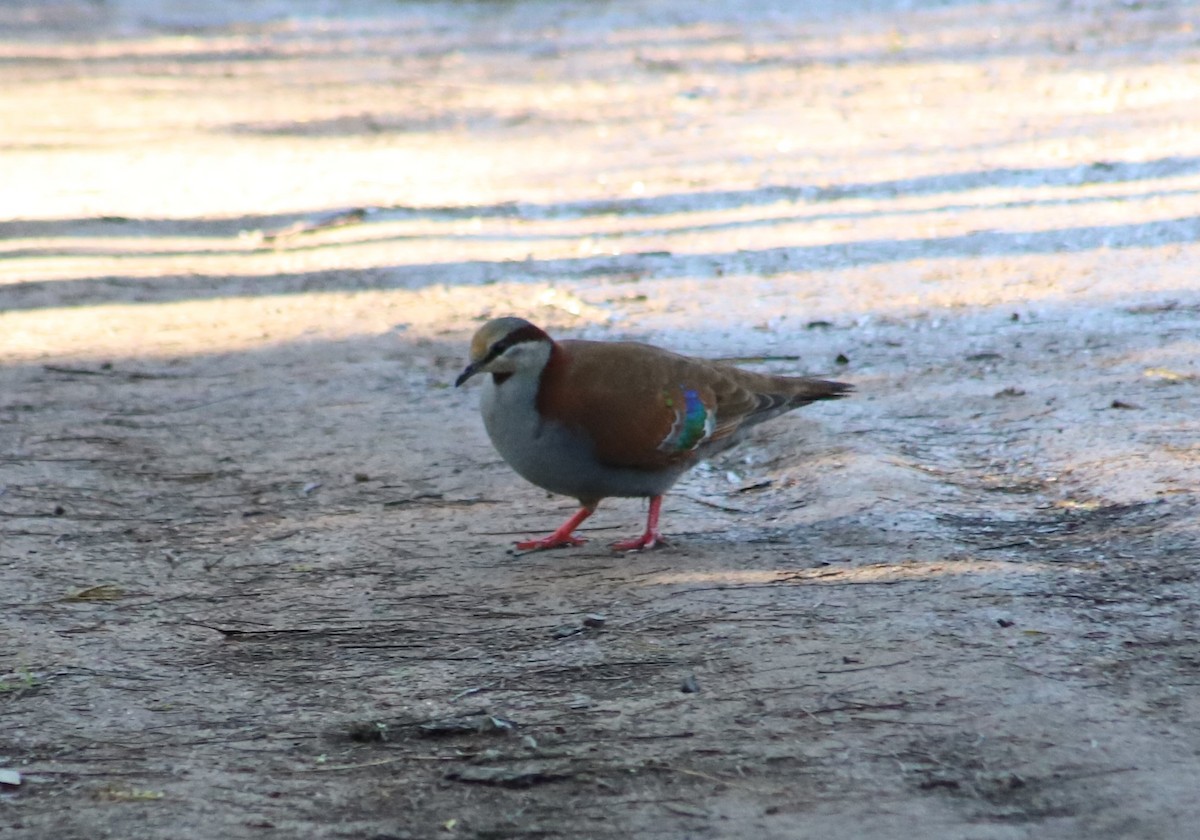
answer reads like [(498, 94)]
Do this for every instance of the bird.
[(598, 419)]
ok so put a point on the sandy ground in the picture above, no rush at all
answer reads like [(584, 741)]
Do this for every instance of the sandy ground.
[(255, 565)]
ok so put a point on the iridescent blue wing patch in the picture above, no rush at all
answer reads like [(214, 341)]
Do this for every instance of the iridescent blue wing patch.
[(694, 423)]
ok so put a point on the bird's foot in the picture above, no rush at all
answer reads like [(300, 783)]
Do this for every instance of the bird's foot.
[(565, 535), (555, 540), (650, 539)]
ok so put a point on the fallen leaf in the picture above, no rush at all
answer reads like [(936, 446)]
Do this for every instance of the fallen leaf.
[(684, 809), (465, 725), (130, 795), (99, 592), (520, 775), (1168, 375)]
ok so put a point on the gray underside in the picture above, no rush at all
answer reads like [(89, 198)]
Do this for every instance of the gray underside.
[(554, 457)]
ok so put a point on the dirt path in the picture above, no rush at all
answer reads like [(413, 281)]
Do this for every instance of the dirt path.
[(254, 566)]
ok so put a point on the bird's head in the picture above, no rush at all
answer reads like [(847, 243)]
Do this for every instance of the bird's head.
[(507, 346)]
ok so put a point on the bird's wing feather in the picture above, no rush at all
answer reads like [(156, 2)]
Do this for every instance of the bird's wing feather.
[(646, 408)]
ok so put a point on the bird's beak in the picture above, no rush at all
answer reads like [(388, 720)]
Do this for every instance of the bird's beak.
[(469, 371)]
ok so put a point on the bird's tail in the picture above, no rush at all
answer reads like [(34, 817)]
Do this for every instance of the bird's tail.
[(785, 393)]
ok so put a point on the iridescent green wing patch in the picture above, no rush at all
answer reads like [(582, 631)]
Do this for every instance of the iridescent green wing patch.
[(694, 422)]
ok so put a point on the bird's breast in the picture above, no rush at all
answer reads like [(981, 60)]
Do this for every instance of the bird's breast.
[(555, 456)]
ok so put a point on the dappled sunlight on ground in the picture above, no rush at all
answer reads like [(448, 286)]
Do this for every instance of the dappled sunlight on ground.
[(777, 162), (909, 569)]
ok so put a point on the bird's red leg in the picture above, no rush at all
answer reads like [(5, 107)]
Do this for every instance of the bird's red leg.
[(649, 539), (560, 537)]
